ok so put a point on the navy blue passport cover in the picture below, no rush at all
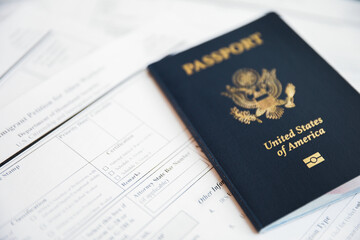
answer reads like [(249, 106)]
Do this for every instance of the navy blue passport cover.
[(278, 123)]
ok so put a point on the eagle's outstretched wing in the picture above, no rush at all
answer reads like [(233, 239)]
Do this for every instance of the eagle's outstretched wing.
[(273, 85), (239, 98)]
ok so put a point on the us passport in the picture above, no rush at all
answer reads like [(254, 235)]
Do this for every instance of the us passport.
[(278, 123)]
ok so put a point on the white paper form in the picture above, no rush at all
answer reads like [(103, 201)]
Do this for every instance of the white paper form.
[(65, 43), (20, 33), (126, 168), (57, 99)]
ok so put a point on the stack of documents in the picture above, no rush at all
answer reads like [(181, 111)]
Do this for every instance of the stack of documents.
[(91, 149)]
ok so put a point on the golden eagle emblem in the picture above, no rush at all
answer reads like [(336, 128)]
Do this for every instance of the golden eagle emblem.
[(252, 91)]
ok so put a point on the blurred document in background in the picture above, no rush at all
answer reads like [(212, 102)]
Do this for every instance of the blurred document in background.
[(20, 33)]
